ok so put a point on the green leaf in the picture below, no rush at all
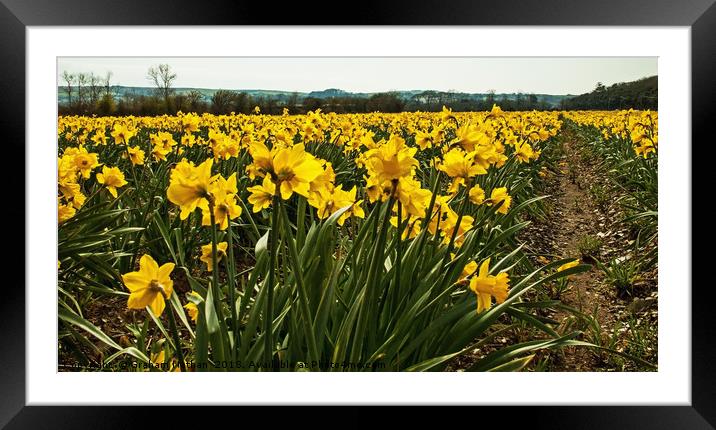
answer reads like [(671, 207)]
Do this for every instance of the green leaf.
[(513, 366), (132, 351), (77, 321)]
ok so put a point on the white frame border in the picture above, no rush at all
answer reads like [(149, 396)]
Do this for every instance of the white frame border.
[(671, 385)]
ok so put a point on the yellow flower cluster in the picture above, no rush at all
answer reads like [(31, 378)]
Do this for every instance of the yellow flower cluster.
[(388, 146), (388, 156), (73, 167), (193, 186), (640, 127)]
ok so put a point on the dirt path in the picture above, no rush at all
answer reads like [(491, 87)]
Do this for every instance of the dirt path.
[(583, 222), (580, 226), (575, 225)]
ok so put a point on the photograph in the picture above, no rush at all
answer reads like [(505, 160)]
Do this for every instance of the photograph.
[(357, 214)]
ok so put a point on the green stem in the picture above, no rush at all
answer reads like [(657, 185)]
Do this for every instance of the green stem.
[(302, 293), (370, 293), (273, 243), (463, 208), (398, 253), (301, 223), (177, 342), (231, 273), (215, 263)]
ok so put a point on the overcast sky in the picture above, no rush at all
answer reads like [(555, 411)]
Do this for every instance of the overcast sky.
[(543, 75)]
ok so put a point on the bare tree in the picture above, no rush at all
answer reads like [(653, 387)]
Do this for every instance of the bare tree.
[(292, 102), (490, 98), (94, 88), (81, 82), (106, 83), (223, 101), (163, 78), (69, 78), (194, 98)]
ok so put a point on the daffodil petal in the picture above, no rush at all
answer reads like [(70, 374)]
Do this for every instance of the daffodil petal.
[(140, 299), (135, 281)]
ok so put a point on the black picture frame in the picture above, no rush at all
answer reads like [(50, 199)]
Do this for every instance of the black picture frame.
[(16, 15)]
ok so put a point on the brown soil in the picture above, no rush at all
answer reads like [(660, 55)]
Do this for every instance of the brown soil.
[(111, 315), (577, 214)]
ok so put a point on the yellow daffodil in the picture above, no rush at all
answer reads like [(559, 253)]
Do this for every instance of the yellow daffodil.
[(412, 229), (160, 153), (85, 162), (496, 112), (294, 169), (112, 178), (392, 160), (500, 195), (447, 114), (150, 285), (163, 140), (188, 140), (189, 185), (523, 152), (413, 198), (223, 195), (262, 195), (206, 254), (136, 155), (329, 201), (99, 138), (460, 164), (72, 193), (486, 286), (121, 133), (423, 140), (449, 225), (262, 159), (467, 270), (64, 212), (190, 123), (191, 308), (477, 194)]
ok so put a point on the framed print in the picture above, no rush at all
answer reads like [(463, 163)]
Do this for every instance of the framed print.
[(377, 215)]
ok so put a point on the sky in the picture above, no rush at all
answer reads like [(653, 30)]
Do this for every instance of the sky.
[(539, 75)]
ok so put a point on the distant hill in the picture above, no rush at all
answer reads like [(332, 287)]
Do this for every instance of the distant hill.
[(639, 94), (120, 92), (415, 97)]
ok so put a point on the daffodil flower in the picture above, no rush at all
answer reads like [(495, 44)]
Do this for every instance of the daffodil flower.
[(206, 254), (262, 195), (112, 178), (294, 169), (189, 185), (486, 286), (150, 285), (500, 195)]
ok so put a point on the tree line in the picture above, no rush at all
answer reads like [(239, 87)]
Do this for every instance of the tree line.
[(640, 94), (90, 94)]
